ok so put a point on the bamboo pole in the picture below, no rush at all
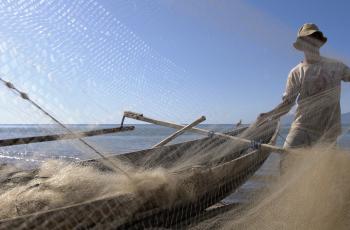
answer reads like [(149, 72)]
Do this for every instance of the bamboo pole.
[(37, 139), (179, 132), (140, 117)]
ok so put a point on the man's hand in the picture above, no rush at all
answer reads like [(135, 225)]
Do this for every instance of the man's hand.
[(262, 118)]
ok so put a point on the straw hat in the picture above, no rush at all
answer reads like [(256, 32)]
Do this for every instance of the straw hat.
[(307, 30)]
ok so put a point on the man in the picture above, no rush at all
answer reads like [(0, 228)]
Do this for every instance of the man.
[(315, 84)]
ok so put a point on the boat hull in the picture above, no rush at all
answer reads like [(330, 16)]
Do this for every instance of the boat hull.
[(211, 182)]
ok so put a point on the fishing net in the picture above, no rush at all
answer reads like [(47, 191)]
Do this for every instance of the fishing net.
[(59, 55)]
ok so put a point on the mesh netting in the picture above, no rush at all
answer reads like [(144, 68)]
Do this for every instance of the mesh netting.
[(58, 55)]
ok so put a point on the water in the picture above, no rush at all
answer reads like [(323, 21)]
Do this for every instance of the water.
[(143, 137)]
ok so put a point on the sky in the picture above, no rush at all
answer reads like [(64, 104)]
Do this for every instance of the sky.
[(88, 61)]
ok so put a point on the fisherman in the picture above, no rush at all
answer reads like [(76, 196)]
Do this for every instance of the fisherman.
[(315, 85)]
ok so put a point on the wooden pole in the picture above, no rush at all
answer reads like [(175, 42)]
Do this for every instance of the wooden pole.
[(179, 132), (37, 139), (140, 117)]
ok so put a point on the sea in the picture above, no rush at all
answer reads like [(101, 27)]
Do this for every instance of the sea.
[(144, 136)]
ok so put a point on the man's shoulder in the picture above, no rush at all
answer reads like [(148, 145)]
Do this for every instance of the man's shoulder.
[(331, 61), (334, 65), (296, 69)]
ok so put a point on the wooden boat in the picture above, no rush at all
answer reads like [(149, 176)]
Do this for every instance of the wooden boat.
[(211, 167)]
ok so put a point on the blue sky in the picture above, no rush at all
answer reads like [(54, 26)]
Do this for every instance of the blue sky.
[(172, 59)]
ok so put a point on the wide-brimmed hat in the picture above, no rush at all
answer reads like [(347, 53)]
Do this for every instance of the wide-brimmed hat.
[(309, 30)]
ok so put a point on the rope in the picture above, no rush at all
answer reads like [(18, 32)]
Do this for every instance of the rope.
[(25, 96)]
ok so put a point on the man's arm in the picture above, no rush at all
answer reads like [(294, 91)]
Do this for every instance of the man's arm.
[(281, 109), (288, 99), (346, 73)]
